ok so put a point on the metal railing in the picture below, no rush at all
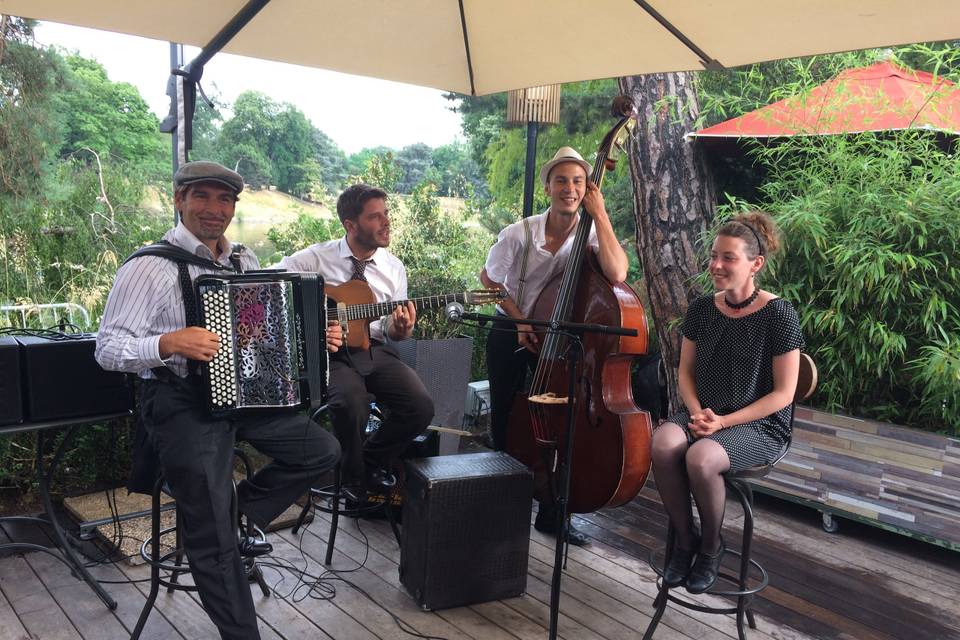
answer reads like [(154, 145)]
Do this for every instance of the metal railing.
[(44, 315)]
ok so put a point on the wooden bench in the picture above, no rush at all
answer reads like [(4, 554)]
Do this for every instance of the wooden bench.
[(892, 477)]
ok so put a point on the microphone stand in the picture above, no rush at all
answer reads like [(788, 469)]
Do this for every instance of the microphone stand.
[(576, 331)]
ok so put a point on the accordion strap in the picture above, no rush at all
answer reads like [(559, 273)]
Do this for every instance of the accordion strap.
[(182, 257), (164, 249)]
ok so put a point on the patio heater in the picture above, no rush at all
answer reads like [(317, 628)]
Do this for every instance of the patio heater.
[(533, 106)]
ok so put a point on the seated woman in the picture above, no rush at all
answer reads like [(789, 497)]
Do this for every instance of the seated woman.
[(739, 362)]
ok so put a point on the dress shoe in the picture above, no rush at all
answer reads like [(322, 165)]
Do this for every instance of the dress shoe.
[(378, 480), (253, 547), (677, 570), (705, 570), (355, 495), (546, 522)]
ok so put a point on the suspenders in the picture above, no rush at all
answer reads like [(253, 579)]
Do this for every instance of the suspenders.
[(528, 245)]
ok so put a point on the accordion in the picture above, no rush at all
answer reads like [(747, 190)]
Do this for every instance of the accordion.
[(272, 328)]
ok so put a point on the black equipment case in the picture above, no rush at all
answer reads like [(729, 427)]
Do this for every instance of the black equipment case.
[(466, 529), (61, 379)]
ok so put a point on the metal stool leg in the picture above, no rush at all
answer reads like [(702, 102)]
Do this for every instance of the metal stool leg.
[(334, 512), (179, 559), (303, 513), (747, 548), (745, 496), (663, 594), (155, 565)]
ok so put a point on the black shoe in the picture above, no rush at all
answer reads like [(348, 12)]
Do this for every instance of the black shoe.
[(676, 572), (546, 522), (355, 495), (253, 547), (378, 480), (705, 570)]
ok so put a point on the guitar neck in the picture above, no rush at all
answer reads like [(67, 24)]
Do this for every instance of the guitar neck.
[(378, 309)]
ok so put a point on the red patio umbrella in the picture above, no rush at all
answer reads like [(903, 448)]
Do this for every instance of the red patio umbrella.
[(879, 97)]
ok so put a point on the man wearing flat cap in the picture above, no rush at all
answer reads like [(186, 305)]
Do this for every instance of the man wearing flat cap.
[(147, 329), (526, 256)]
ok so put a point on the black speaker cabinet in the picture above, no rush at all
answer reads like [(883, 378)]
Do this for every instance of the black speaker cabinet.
[(11, 402), (61, 379), (466, 529)]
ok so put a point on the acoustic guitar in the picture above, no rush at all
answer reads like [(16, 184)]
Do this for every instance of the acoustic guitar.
[(354, 306)]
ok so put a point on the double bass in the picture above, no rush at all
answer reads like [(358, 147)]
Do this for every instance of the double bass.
[(612, 436)]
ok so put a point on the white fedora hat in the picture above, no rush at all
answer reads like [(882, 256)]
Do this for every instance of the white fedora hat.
[(564, 154)]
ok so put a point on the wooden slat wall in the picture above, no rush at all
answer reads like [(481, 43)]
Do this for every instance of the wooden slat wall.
[(897, 477)]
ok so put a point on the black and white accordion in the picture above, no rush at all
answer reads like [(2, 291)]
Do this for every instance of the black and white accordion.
[(272, 328)]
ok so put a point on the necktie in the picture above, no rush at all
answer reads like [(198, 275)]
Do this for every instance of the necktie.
[(359, 266)]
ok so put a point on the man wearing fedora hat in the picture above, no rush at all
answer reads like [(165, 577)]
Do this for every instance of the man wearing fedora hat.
[(526, 256), (149, 328)]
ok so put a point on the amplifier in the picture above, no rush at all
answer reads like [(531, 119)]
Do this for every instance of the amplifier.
[(11, 402), (61, 379), (466, 529)]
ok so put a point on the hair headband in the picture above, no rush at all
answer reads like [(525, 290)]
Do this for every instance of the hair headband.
[(755, 235)]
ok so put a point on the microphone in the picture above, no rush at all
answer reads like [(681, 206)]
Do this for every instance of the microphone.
[(453, 312)]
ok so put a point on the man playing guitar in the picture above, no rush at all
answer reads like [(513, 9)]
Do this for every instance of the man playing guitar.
[(356, 372)]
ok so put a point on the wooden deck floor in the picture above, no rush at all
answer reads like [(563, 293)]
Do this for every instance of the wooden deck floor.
[(859, 584)]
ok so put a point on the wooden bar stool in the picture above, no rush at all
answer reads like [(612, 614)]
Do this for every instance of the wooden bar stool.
[(745, 586)]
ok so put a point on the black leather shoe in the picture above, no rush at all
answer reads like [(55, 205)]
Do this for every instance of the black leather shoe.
[(356, 496), (676, 572), (705, 570), (253, 547), (546, 522), (378, 480)]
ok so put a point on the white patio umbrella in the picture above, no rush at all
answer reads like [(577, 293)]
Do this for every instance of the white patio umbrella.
[(486, 46)]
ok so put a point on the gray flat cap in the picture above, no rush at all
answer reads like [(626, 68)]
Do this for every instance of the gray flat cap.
[(206, 171)]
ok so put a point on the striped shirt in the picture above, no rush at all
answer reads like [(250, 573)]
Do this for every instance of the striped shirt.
[(385, 274), (146, 302)]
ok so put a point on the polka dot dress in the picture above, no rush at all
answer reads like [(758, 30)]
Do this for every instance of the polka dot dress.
[(734, 368)]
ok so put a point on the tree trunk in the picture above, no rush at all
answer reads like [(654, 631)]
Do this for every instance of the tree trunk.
[(674, 196)]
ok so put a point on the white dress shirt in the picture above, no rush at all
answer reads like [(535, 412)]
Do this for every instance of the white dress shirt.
[(146, 302), (505, 260), (386, 275)]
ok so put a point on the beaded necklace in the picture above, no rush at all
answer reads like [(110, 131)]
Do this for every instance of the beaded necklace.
[(744, 304)]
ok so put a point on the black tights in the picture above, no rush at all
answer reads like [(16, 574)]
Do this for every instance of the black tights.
[(682, 469)]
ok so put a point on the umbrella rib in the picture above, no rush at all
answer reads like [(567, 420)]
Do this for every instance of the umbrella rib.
[(466, 48), (227, 33), (705, 59)]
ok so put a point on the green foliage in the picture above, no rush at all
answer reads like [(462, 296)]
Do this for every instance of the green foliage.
[(68, 246), (332, 161), (207, 121), (412, 161), (584, 120), (358, 163), (300, 234), (380, 170), (110, 117), (31, 81), (272, 144), (871, 229), (441, 253)]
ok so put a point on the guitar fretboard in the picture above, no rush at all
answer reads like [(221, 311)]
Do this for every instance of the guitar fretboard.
[(377, 309)]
